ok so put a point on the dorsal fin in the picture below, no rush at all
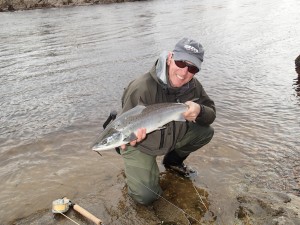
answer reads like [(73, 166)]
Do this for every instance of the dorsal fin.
[(134, 111)]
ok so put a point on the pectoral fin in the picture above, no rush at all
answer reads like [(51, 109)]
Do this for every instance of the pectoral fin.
[(131, 137)]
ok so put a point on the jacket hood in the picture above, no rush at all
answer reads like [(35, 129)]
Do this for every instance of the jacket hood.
[(161, 68)]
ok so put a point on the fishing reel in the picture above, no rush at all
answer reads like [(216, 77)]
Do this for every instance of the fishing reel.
[(62, 205)]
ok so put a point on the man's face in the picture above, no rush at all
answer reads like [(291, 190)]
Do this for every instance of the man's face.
[(178, 76)]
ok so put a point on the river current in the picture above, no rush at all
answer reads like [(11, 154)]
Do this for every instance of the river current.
[(63, 70)]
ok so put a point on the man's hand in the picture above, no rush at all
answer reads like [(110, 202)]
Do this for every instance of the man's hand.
[(141, 135), (193, 111)]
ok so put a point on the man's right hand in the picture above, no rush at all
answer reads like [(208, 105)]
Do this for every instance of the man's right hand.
[(141, 135)]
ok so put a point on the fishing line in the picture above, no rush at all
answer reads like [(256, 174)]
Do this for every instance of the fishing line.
[(155, 193), (204, 203), (67, 217), (200, 197)]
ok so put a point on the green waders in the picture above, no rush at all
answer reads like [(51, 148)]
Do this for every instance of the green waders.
[(142, 173)]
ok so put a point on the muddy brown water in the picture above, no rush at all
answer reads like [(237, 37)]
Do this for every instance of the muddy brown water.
[(63, 70)]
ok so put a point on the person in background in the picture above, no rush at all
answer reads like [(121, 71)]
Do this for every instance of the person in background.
[(171, 79), (297, 66), (297, 80)]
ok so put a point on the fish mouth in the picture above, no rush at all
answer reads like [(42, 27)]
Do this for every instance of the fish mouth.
[(94, 148), (97, 148)]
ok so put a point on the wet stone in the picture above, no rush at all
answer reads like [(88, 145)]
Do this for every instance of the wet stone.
[(182, 202), (262, 206)]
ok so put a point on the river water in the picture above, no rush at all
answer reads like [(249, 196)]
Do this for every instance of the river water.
[(63, 70)]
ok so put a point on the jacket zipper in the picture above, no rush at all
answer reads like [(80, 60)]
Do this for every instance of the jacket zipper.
[(174, 130), (162, 138)]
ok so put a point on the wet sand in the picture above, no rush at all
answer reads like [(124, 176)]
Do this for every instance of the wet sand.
[(208, 198)]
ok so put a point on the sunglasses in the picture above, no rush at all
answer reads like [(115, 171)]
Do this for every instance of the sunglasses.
[(183, 64)]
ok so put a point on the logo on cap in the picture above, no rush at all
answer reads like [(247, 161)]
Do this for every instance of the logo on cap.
[(191, 48)]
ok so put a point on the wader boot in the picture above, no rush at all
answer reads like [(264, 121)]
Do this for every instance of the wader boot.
[(196, 137), (172, 161)]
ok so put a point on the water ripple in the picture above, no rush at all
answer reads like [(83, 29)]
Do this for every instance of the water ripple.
[(63, 70)]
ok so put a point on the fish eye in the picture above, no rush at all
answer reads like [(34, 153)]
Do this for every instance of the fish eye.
[(106, 141)]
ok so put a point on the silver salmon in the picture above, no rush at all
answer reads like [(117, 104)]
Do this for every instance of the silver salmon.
[(124, 128)]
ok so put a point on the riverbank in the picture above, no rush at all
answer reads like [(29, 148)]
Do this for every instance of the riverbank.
[(14, 5), (183, 205)]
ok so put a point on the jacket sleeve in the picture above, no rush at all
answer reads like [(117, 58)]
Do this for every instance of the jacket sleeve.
[(129, 99), (135, 94), (207, 114)]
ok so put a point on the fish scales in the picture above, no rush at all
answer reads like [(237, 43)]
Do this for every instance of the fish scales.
[(153, 117)]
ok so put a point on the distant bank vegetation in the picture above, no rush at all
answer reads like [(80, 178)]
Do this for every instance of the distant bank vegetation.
[(13, 5)]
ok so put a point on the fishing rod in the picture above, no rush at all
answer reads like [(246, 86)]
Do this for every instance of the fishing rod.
[(112, 116)]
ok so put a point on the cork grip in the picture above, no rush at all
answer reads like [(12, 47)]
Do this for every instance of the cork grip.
[(86, 214)]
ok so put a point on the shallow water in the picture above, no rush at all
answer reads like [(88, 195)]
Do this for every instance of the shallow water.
[(63, 70)]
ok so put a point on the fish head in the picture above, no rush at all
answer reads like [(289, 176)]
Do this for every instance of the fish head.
[(109, 140)]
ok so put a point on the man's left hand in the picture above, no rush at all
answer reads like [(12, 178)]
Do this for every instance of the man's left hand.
[(192, 112)]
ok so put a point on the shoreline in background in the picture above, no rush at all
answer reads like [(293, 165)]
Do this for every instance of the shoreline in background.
[(15, 5)]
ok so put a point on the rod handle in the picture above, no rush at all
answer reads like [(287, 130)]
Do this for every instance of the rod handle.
[(87, 214)]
